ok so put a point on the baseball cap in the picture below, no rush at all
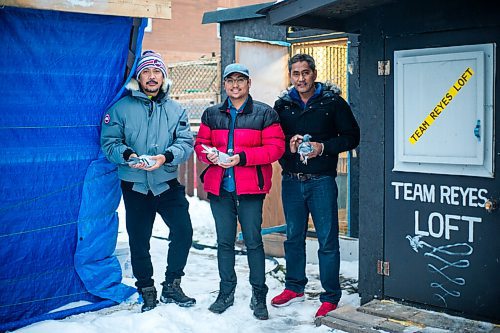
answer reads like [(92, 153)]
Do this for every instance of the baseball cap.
[(236, 68)]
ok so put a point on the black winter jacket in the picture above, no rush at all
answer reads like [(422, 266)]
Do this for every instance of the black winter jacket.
[(328, 119)]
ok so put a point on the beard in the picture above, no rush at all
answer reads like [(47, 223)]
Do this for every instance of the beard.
[(151, 90)]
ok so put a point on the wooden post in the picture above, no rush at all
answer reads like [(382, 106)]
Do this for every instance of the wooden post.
[(200, 167), (190, 176), (129, 8)]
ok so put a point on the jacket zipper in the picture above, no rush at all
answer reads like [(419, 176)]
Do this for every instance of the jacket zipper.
[(234, 169)]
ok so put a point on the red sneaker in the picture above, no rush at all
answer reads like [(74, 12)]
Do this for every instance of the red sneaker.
[(287, 297), (325, 308)]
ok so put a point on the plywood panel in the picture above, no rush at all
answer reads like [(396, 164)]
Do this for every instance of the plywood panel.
[(132, 8), (267, 64), (273, 210)]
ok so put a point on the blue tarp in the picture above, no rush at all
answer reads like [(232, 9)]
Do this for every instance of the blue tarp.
[(58, 195)]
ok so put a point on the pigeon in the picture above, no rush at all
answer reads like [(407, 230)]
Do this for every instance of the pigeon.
[(305, 148), (146, 159), (223, 157)]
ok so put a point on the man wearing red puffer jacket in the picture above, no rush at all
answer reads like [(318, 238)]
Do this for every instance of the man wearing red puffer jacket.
[(248, 138)]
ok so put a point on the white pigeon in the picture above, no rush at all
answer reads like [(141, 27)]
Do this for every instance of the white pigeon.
[(305, 148), (223, 157)]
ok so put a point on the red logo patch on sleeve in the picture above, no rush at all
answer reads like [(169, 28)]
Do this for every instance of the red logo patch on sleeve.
[(107, 118)]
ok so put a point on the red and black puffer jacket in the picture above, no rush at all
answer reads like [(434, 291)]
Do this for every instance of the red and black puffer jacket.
[(258, 139)]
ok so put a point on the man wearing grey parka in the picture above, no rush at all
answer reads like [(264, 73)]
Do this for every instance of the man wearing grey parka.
[(147, 135)]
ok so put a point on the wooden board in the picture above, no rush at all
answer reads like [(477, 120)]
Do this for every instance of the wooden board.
[(131, 8), (272, 214), (273, 245), (389, 316), (348, 316)]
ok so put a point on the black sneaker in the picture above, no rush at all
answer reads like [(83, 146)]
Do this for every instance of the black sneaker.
[(223, 301), (172, 293), (149, 297), (258, 303)]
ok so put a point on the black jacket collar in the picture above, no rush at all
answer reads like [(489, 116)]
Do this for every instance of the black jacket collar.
[(247, 109)]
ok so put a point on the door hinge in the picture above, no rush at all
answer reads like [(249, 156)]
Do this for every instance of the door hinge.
[(383, 268), (384, 67)]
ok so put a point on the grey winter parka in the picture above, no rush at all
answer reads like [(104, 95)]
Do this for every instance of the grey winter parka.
[(147, 128)]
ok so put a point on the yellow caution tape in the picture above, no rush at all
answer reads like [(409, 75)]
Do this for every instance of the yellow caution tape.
[(443, 103)]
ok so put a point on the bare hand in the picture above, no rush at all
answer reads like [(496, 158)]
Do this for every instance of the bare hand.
[(213, 158), (317, 149), (159, 159), (295, 141), (232, 161), (138, 165)]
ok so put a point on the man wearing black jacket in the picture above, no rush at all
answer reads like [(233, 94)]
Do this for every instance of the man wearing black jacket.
[(308, 183)]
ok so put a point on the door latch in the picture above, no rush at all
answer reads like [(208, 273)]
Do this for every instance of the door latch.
[(477, 130)]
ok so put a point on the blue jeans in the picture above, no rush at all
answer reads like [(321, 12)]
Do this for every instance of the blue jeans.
[(228, 209), (317, 196)]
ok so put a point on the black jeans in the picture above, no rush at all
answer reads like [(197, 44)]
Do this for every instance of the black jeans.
[(140, 215), (227, 209)]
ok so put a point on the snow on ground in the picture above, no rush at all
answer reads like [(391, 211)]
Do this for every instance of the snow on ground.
[(201, 282)]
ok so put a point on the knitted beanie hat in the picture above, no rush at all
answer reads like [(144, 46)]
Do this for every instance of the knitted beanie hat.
[(150, 59)]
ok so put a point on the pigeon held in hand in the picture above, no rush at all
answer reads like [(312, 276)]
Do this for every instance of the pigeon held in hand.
[(305, 148)]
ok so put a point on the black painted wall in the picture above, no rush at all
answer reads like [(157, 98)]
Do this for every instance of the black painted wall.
[(354, 102), (457, 22), (371, 161)]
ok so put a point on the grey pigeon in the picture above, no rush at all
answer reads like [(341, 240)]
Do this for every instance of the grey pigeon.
[(305, 148)]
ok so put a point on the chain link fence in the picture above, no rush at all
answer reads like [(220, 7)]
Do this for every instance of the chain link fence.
[(196, 86)]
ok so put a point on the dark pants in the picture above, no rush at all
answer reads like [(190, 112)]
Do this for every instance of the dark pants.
[(140, 215), (317, 196), (227, 209)]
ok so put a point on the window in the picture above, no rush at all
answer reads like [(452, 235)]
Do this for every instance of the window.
[(443, 110)]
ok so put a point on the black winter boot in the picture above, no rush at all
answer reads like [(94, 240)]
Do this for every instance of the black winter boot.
[(258, 303), (172, 293), (223, 301), (149, 297)]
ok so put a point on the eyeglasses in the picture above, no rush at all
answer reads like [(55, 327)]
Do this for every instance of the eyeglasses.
[(239, 81)]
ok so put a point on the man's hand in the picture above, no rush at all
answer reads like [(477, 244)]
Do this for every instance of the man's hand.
[(232, 161), (295, 141), (138, 165), (317, 150), (159, 159), (213, 158)]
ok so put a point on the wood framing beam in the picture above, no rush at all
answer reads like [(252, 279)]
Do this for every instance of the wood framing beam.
[(132, 8), (289, 10), (316, 22)]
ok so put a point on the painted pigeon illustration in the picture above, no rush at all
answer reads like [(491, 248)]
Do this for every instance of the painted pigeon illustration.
[(415, 242), (305, 148)]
